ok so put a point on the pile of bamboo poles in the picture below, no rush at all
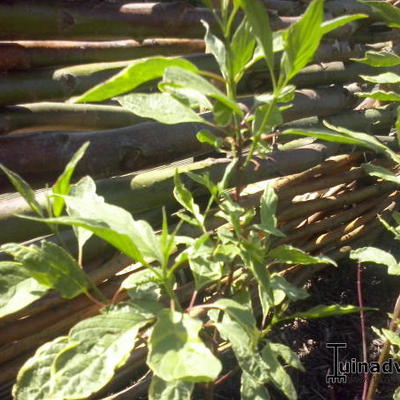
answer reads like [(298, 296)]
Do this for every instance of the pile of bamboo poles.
[(54, 50)]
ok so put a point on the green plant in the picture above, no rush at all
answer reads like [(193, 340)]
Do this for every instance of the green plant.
[(185, 339)]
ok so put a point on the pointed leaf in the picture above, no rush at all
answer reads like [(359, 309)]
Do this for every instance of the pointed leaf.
[(161, 107), (378, 256), (379, 59), (115, 225), (172, 390), (177, 353), (287, 254), (301, 40), (97, 347), (134, 75), (391, 336), (382, 173), (242, 46), (258, 20), (268, 206), (17, 288), (323, 311), (282, 288), (23, 189), (216, 47), (51, 266), (332, 24), (62, 185)]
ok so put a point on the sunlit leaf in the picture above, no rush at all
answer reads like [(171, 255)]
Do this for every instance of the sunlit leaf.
[(389, 13), (382, 173), (380, 58), (250, 389), (268, 206), (258, 20), (17, 288), (378, 256), (97, 347), (24, 190), (134, 75), (384, 78), (381, 95), (85, 189), (179, 77), (176, 351), (332, 24), (323, 311), (161, 107), (301, 40), (34, 378), (172, 390), (62, 185), (287, 254), (51, 266)]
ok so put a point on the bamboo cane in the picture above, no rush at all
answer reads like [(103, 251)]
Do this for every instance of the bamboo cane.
[(31, 54)]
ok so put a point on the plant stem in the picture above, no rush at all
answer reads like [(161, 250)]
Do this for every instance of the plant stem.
[(362, 326)]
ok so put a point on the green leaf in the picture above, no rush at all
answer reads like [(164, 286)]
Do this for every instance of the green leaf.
[(173, 390), (97, 347), (205, 268), (278, 375), (382, 173), (323, 311), (378, 256), (245, 349), (391, 336), (301, 40), (24, 190), (386, 77), (85, 189), (17, 288), (205, 136), (289, 356), (396, 395), (282, 288), (258, 20), (268, 206), (385, 58), (389, 13), (332, 24), (134, 75), (381, 95), (217, 48), (287, 254), (177, 353), (180, 78), (250, 389), (115, 225), (34, 378), (161, 107), (185, 198), (62, 185), (240, 312), (51, 266), (242, 47), (142, 285)]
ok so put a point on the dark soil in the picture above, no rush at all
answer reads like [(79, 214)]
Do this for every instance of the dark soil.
[(309, 338)]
